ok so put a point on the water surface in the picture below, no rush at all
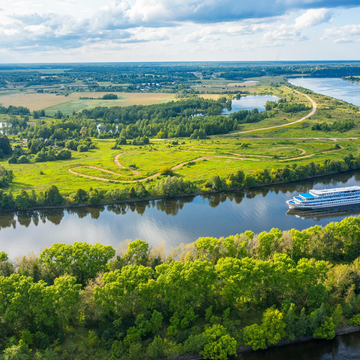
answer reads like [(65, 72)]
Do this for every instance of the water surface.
[(250, 102), (334, 87), (344, 347), (172, 221)]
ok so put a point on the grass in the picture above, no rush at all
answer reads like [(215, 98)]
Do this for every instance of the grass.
[(149, 159)]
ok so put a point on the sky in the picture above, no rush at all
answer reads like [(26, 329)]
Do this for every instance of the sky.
[(45, 31)]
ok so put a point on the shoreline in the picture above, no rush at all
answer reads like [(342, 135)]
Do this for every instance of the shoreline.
[(344, 330), (176, 196)]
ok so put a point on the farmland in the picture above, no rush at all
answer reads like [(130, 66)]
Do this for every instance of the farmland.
[(67, 104)]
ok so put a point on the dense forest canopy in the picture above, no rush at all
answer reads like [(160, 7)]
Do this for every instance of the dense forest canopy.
[(144, 304)]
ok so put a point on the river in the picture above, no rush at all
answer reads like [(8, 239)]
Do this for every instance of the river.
[(171, 221), (344, 347), (334, 87)]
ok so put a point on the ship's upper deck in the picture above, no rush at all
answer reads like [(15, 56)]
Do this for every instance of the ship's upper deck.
[(339, 191)]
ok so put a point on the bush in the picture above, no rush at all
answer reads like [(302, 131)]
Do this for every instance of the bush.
[(23, 160), (166, 170), (63, 154), (355, 320), (82, 148), (12, 160)]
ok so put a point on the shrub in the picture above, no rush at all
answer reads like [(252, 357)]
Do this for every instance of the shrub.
[(12, 160), (63, 154), (82, 148), (355, 320), (23, 160), (166, 170)]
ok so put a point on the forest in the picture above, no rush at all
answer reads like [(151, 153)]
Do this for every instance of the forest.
[(85, 301)]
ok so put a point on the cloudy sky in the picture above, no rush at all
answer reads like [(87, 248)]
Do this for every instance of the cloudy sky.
[(178, 30)]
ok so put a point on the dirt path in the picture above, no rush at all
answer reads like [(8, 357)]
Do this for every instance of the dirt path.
[(280, 126), (117, 163), (149, 177), (330, 151)]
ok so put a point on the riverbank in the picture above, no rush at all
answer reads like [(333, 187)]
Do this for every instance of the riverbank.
[(247, 349), (176, 196)]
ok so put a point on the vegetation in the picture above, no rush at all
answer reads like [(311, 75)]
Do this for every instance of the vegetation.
[(73, 300)]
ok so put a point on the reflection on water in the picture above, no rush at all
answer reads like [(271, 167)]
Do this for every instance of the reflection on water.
[(345, 347), (317, 214), (172, 221)]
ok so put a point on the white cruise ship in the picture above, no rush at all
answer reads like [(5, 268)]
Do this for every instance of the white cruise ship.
[(316, 199)]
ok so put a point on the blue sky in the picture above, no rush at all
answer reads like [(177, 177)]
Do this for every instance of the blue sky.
[(178, 30)]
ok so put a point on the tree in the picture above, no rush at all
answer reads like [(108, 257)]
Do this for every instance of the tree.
[(302, 325), (82, 260), (289, 320), (156, 348), (16, 352), (53, 197), (219, 344), (326, 330), (84, 131), (273, 325), (254, 336), (5, 145), (269, 243)]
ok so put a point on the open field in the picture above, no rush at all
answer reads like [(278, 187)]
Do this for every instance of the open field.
[(47, 101), (193, 160)]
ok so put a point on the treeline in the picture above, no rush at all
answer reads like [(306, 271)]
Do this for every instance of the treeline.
[(341, 126), (286, 107), (208, 297), (14, 110), (131, 114)]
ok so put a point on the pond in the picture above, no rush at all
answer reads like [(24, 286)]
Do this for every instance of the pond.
[(250, 102), (334, 87), (171, 221)]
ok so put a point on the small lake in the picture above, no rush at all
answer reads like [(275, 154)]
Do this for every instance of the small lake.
[(250, 102), (171, 221), (334, 87)]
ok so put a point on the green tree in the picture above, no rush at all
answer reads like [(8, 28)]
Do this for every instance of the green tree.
[(53, 197), (82, 260), (219, 344), (254, 336), (326, 330), (273, 325)]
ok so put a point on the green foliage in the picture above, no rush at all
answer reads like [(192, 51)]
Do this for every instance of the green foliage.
[(166, 170), (52, 196), (16, 352), (355, 320), (325, 330), (23, 160), (254, 336), (82, 260), (219, 344)]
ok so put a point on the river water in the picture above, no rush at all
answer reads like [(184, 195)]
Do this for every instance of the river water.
[(334, 87), (344, 347), (171, 221)]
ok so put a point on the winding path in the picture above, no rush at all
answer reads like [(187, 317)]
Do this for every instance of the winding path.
[(116, 161), (288, 124)]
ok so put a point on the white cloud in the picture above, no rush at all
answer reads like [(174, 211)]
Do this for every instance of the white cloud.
[(343, 34), (312, 17)]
